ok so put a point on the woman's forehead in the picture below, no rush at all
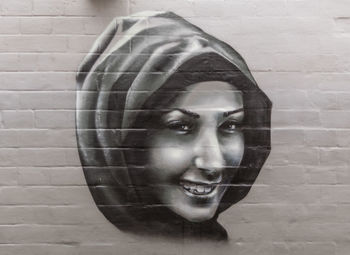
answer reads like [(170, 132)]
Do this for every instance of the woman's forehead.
[(210, 95), (211, 86)]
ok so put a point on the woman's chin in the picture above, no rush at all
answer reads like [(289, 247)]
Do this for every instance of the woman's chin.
[(195, 214)]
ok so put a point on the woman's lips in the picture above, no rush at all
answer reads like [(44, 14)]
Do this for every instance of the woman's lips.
[(198, 188)]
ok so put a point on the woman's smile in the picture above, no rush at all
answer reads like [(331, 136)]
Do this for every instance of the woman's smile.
[(196, 149), (198, 189)]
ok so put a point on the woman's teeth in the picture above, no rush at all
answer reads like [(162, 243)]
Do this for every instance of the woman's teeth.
[(197, 189)]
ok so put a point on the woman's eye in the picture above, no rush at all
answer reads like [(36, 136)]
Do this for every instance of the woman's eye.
[(229, 126), (180, 126)]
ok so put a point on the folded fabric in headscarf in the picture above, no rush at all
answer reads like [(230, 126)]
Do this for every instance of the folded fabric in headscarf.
[(155, 51)]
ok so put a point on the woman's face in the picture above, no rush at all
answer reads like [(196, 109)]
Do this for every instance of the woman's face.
[(194, 154)]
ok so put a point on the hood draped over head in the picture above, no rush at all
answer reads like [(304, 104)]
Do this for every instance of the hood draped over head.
[(154, 51)]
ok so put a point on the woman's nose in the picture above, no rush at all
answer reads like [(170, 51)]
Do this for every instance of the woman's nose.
[(208, 156)]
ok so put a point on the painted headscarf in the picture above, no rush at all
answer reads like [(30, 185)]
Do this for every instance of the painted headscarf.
[(154, 50)]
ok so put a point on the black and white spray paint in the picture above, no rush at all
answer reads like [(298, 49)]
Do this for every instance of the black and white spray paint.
[(172, 128)]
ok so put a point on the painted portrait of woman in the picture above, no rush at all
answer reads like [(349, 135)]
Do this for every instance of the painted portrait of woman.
[(172, 128)]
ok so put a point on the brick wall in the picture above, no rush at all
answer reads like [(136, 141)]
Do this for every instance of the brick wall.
[(298, 51)]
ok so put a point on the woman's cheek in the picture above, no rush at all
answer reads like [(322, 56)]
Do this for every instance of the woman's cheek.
[(169, 160), (232, 148)]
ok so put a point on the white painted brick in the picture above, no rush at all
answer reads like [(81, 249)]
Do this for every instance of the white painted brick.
[(37, 138), (8, 177), (59, 62), (336, 44), (290, 99), (37, 25), (27, 62), (277, 8), (95, 25), (67, 176), (312, 248), (334, 156), (33, 177), (41, 81), (284, 62), (288, 136), (303, 8), (303, 213), (8, 157), (303, 155), (343, 138), (48, 7), (91, 8), (55, 176), (293, 118), (81, 44), (44, 196), (18, 119), (334, 81), (291, 194), (28, 43), (324, 100), (321, 138), (68, 26), (343, 100), (38, 157), (289, 80), (8, 138), (284, 155), (16, 7), (335, 119), (39, 62), (49, 215), (8, 62), (54, 119), (279, 175), (46, 100), (208, 8), (38, 249), (9, 100), (182, 8), (343, 175), (339, 8), (321, 175), (10, 25), (339, 194), (285, 26), (340, 213), (342, 248), (314, 233), (343, 24), (60, 234)]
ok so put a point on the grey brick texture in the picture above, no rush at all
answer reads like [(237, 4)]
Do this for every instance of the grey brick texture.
[(299, 53)]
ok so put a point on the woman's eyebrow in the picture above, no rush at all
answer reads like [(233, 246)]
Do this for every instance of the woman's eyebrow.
[(187, 112), (226, 114)]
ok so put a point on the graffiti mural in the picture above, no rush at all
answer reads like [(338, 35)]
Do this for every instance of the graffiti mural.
[(172, 128)]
